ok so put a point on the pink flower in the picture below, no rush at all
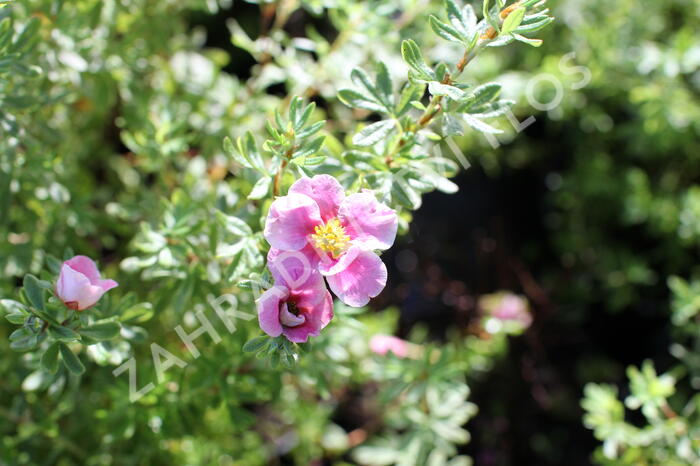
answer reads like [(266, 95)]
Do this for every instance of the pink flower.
[(298, 305), (382, 344), (513, 308), (79, 284), (505, 312), (338, 233)]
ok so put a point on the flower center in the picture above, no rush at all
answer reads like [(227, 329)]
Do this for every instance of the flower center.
[(292, 306), (290, 315), (331, 237)]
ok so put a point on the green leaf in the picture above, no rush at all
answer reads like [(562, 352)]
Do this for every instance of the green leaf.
[(19, 102), (513, 20), (102, 331), (256, 344), (140, 312), (261, 188), (30, 71), (533, 23), (294, 110), (479, 96), (491, 15), (70, 360), (373, 133), (7, 61), (12, 306), (469, 20), (305, 116), (447, 32), (5, 33), (492, 109), (374, 97), (451, 125), (24, 344), (183, 292), (53, 264), (62, 333), (414, 58), (247, 147), (235, 154), (411, 92), (463, 20), (49, 360), (376, 455), (233, 225), (34, 292), (361, 79), (384, 87), (20, 333), (405, 194), (16, 318), (527, 40), (27, 37), (311, 130), (480, 126), (364, 160), (317, 160), (309, 148), (438, 88)]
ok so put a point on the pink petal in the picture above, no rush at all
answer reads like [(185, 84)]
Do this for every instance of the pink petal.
[(291, 220), (292, 268), (330, 266), (313, 292), (382, 344), (86, 266), (295, 272), (268, 305), (287, 319), (325, 190), (368, 222), (107, 285), (75, 289), (361, 280), (316, 319)]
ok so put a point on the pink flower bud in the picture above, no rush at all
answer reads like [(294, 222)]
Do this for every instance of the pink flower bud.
[(505, 312), (79, 284), (382, 344)]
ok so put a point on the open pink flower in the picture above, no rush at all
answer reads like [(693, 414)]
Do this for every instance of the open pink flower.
[(343, 232), (79, 284), (298, 305), (382, 344)]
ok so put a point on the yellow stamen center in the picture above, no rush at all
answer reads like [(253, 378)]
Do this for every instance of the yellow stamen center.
[(331, 237)]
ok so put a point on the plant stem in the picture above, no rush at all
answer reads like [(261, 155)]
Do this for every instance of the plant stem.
[(469, 55), (278, 179)]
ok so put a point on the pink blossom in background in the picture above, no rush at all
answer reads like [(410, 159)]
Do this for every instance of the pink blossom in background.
[(511, 310), (513, 307), (298, 305), (382, 344), (337, 233), (79, 284)]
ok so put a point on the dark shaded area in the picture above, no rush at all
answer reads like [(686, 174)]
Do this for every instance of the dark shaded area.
[(249, 17), (218, 35), (482, 240)]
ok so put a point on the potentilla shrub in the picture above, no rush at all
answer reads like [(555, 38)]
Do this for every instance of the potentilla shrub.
[(244, 229)]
